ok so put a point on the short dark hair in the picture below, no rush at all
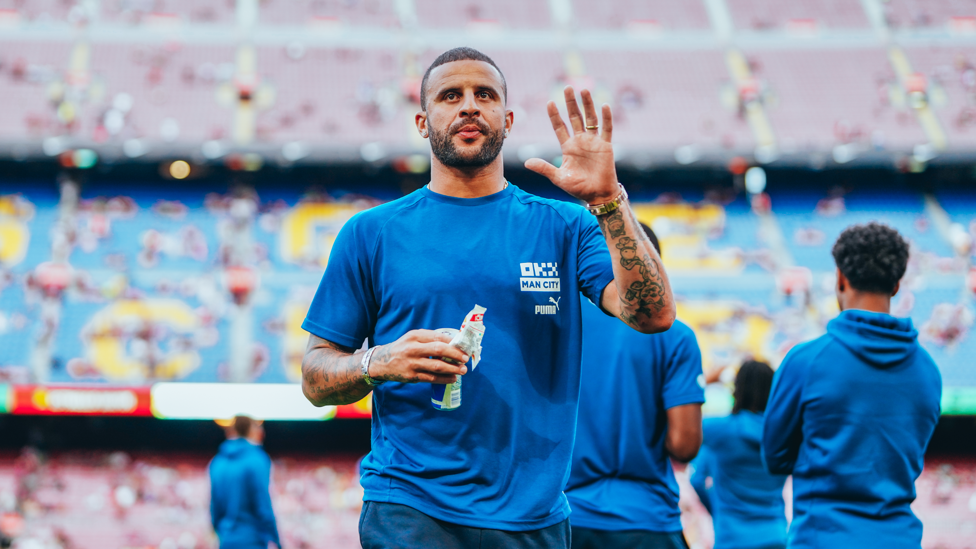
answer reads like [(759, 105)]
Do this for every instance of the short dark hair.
[(242, 426), (873, 257), (752, 385), (459, 54), (653, 237)]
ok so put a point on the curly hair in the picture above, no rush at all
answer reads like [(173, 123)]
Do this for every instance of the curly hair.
[(872, 257), (752, 385)]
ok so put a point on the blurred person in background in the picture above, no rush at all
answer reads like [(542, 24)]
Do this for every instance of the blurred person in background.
[(240, 498), (491, 472), (640, 404), (745, 501), (851, 412)]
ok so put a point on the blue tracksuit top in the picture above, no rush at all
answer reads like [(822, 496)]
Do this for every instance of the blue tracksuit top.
[(240, 501), (850, 415), (745, 501)]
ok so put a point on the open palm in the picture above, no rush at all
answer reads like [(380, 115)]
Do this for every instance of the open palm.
[(587, 171)]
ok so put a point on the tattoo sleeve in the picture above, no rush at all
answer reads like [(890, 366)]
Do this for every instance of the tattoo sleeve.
[(642, 285), (331, 373)]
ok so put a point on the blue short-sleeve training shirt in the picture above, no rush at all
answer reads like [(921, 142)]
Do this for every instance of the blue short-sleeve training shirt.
[(422, 262), (621, 475)]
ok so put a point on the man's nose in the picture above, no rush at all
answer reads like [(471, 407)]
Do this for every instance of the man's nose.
[(469, 107)]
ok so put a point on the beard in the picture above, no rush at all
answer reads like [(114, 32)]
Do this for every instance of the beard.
[(442, 145)]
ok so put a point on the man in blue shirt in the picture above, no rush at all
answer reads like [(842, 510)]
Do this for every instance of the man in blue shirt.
[(240, 502), (640, 404), (489, 473), (745, 501), (851, 412)]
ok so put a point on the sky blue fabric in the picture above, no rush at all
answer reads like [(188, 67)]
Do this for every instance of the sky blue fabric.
[(850, 416), (499, 461), (745, 501), (240, 503), (622, 477)]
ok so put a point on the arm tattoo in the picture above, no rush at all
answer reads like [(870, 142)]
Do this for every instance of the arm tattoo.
[(331, 374), (648, 294)]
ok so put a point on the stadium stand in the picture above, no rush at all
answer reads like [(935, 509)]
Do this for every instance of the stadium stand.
[(168, 12), (502, 14), (930, 14), (688, 110), (167, 93), (809, 113), (635, 15), (98, 499), (951, 76), (799, 15), (32, 76), (375, 13), (333, 96)]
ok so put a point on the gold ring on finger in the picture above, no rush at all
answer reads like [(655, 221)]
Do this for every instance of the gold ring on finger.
[(593, 127)]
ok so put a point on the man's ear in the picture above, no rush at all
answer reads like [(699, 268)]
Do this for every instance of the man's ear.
[(841, 281), (420, 119), (897, 287)]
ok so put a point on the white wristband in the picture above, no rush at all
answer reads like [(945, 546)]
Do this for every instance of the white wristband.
[(365, 367)]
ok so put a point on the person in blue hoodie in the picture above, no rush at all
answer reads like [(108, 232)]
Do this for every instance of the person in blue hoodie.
[(851, 412), (240, 500), (640, 405), (746, 502)]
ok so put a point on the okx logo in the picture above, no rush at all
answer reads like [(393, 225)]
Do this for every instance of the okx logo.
[(539, 277)]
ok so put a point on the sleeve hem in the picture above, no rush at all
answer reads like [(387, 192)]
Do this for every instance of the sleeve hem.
[(681, 400), (331, 335)]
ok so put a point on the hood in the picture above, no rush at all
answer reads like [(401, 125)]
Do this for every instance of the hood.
[(750, 426), (234, 448), (878, 339)]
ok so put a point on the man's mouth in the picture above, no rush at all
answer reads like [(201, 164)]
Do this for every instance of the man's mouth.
[(469, 131)]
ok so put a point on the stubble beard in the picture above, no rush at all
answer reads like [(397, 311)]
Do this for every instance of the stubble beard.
[(442, 145)]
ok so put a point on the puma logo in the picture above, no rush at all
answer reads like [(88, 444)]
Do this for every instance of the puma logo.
[(555, 301)]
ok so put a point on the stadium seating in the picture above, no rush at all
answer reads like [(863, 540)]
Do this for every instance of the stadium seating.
[(801, 15), (358, 13), (668, 99), (951, 73), (336, 96), (928, 14), (169, 93), (636, 15), (32, 76), (498, 15), (809, 112), (94, 500)]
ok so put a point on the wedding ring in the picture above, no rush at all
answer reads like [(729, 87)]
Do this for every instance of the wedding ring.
[(593, 127)]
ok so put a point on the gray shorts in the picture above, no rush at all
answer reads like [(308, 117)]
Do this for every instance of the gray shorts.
[(391, 525)]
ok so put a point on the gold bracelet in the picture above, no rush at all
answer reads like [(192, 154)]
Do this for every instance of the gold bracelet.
[(608, 207)]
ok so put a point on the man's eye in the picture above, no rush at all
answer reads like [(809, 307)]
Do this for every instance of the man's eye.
[(485, 95), (450, 96)]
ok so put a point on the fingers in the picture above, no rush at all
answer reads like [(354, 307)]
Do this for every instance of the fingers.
[(443, 380), (575, 116), (438, 367), (438, 349), (589, 112), (607, 123), (562, 134), (427, 336), (542, 167)]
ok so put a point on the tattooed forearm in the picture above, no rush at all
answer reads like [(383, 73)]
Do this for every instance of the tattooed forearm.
[(613, 224), (647, 295), (331, 374), (645, 301)]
